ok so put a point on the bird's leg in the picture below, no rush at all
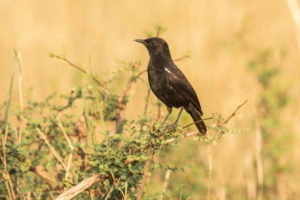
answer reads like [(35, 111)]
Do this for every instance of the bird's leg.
[(168, 115), (175, 123)]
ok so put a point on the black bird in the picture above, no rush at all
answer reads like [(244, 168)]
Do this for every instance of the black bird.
[(169, 84)]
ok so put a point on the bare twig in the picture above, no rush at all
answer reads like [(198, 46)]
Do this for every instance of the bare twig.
[(121, 105), (197, 122), (181, 58), (104, 89), (64, 132), (83, 185), (52, 150), (183, 136), (145, 176), (222, 123), (70, 145), (129, 84)]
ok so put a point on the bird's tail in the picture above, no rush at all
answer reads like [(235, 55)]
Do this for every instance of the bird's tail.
[(196, 115)]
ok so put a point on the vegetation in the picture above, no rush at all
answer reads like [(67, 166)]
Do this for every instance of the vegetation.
[(65, 145)]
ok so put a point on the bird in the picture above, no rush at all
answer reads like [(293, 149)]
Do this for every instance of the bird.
[(169, 84)]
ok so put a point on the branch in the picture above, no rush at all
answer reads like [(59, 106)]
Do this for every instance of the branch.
[(181, 58), (121, 98), (183, 136), (53, 151), (220, 124), (105, 90), (70, 145), (145, 176), (88, 182), (129, 85), (232, 115), (83, 185), (197, 122)]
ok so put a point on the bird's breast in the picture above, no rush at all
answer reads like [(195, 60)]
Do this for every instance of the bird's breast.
[(156, 79)]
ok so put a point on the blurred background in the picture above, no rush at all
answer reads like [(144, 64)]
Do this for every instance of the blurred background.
[(239, 50)]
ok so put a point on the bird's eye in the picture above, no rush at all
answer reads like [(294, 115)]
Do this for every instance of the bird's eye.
[(151, 44)]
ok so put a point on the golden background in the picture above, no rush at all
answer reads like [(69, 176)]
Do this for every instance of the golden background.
[(222, 36)]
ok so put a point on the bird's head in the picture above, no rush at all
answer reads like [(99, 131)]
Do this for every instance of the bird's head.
[(156, 46)]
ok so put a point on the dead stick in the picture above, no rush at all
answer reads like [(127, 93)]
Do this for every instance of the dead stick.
[(83, 185)]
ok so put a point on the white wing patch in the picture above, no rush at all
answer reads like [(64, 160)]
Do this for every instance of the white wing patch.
[(167, 70)]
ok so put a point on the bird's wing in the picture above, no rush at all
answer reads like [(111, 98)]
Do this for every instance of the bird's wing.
[(179, 82)]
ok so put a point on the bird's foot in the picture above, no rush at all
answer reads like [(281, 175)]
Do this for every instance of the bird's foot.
[(172, 127)]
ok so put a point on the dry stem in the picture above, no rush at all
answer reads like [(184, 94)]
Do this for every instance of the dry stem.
[(83, 185), (70, 145), (5, 174), (53, 151)]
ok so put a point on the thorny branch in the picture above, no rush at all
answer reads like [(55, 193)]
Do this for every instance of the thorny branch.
[(220, 124), (88, 182), (146, 169)]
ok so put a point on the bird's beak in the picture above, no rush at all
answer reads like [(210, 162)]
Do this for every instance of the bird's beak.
[(140, 41)]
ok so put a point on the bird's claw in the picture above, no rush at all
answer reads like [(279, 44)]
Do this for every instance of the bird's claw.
[(172, 127)]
